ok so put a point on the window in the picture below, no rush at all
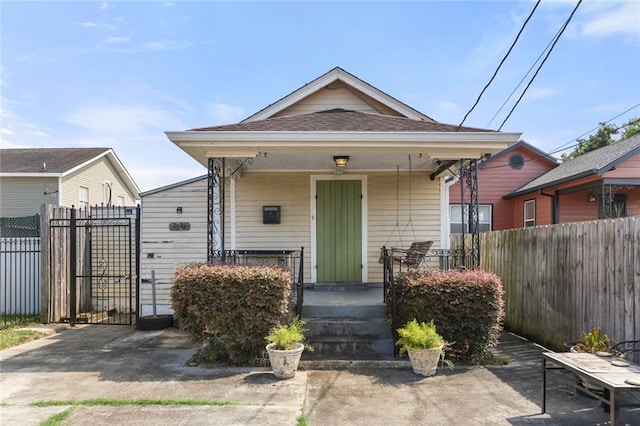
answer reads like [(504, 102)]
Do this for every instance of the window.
[(120, 201), (106, 193), (484, 218), (619, 205), (84, 197), (516, 161), (529, 213)]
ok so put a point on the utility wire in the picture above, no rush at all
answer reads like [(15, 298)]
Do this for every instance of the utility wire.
[(542, 63), (522, 79), (560, 149), (513, 44)]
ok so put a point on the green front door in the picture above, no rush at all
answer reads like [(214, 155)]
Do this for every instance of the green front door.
[(339, 231)]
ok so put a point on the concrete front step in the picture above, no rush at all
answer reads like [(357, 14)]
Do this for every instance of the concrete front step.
[(343, 311), (349, 347), (344, 326)]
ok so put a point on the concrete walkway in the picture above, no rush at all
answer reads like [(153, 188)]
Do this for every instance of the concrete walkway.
[(120, 362)]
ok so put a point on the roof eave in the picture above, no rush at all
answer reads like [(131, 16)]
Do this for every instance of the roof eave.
[(517, 193), (328, 78), (31, 174)]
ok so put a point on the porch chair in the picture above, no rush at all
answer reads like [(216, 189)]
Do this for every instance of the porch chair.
[(413, 257)]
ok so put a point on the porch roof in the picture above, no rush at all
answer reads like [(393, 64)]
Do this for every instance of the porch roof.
[(308, 141)]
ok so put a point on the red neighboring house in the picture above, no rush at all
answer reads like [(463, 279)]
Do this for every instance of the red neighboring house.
[(603, 183), (499, 175)]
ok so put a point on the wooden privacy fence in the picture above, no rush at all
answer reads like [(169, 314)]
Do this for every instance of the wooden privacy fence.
[(561, 280)]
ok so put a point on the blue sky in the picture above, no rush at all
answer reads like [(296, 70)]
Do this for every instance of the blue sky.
[(119, 74)]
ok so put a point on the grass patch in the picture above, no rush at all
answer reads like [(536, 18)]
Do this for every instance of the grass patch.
[(302, 421), (114, 402), (57, 418), (12, 336)]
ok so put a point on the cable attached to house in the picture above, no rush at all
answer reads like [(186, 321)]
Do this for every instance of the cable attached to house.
[(495, 73), (564, 26)]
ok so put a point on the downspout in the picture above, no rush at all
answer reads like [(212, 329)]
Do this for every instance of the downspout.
[(445, 212), (554, 206)]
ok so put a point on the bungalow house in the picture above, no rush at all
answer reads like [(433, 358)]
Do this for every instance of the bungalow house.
[(80, 177), (603, 183), (337, 168), (498, 175)]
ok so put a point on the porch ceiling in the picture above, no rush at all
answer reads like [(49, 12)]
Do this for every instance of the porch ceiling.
[(315, 150)]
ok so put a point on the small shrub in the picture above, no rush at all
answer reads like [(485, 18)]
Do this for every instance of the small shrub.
[(230, 308), (417, 335), (286, 336), (466, 307)]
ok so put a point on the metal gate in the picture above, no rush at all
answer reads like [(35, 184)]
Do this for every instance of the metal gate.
[(93, 265)]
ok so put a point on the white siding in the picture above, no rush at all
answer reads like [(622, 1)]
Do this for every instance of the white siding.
[(23, 196), (290, 191), (170, 249), (397, 218), (93, 177), (337, 95)]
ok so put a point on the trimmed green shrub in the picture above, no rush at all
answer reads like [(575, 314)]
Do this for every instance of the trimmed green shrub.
[(466, 306), (230, 308)]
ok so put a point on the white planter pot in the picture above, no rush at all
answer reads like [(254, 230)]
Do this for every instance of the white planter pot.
[(425, 361), (284, 363)]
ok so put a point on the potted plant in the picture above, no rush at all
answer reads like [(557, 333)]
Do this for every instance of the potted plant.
[(285, 347), (594, 342), (424, 346)]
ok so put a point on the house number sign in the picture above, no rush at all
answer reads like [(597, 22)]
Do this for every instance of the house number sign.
[(179, 226)]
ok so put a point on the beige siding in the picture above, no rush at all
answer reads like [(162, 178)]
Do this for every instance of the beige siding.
[(93, 176), (337, 95), (23, 196), (170, 249), (397, 218), (290, 191)]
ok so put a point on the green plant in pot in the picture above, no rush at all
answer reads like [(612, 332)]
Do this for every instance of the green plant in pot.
[(593, 341), (424, 346), (285, 346)]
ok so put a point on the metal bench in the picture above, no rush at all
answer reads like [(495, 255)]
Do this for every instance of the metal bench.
[(413, 257)]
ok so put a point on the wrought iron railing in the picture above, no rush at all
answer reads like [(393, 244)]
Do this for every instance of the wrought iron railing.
[(293, 260), (446, 259)]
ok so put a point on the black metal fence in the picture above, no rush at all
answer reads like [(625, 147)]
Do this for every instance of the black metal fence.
[(293, 260), (93, 264), (19, 280)]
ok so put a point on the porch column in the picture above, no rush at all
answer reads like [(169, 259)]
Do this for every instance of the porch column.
[(215, 207), (469, 198)]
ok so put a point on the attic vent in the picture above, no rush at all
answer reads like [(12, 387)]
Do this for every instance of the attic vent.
[(516, 161)]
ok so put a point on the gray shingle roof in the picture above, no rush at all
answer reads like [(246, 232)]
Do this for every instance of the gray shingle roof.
[(58, 160), (340, 120), (594, 162)]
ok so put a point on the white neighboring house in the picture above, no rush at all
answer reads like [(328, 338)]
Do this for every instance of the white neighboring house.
[(78, 177), (173, 233)]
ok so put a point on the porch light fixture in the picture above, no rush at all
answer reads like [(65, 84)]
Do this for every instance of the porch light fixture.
[(341, 160), (592, 198)]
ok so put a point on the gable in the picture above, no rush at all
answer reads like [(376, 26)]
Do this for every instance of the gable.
[(334, 96), (342, 81)]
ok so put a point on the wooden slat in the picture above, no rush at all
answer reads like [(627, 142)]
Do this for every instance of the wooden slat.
[(561, 280)]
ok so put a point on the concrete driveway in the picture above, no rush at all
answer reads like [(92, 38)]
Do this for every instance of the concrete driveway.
[(122, 363)]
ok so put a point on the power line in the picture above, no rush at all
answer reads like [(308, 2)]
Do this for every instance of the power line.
[(559, 149), (513, 44), (523, 77), (542, 63)]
